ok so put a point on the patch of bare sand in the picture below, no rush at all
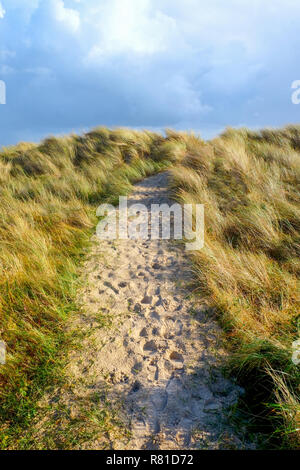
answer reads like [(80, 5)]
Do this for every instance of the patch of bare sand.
[(156, 358)]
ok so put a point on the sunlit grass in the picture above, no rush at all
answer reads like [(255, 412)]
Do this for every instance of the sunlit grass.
[(49, 194), (249, 268)]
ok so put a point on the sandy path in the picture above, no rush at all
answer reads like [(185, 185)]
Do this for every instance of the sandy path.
[(159, 359), (145, 369)]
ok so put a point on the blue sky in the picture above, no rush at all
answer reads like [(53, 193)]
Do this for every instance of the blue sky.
[(70, 65)]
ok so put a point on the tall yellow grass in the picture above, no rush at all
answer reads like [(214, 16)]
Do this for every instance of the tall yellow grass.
[(49, 194), (249, 268)]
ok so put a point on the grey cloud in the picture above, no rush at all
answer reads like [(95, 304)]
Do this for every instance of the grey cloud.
[(70, 65)]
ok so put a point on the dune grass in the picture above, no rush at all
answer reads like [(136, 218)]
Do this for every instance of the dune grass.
[(249, 268), (49, 193)]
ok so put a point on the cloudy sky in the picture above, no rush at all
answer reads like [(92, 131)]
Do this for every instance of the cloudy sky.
[(69, 65)]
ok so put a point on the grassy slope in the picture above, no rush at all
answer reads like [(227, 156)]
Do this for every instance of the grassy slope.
[(49, 194), (249, 269)]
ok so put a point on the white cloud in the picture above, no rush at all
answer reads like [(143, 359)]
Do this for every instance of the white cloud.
[(150, 63), (6, 70), (135, 26), (67, 16), (22, 9), (2, 11), (53, 14)]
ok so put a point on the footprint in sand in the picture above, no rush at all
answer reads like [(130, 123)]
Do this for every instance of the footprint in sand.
[(160, 371), (150, 346)]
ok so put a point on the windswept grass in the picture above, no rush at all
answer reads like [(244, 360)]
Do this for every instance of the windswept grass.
[(49, 194), (249, 268)]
